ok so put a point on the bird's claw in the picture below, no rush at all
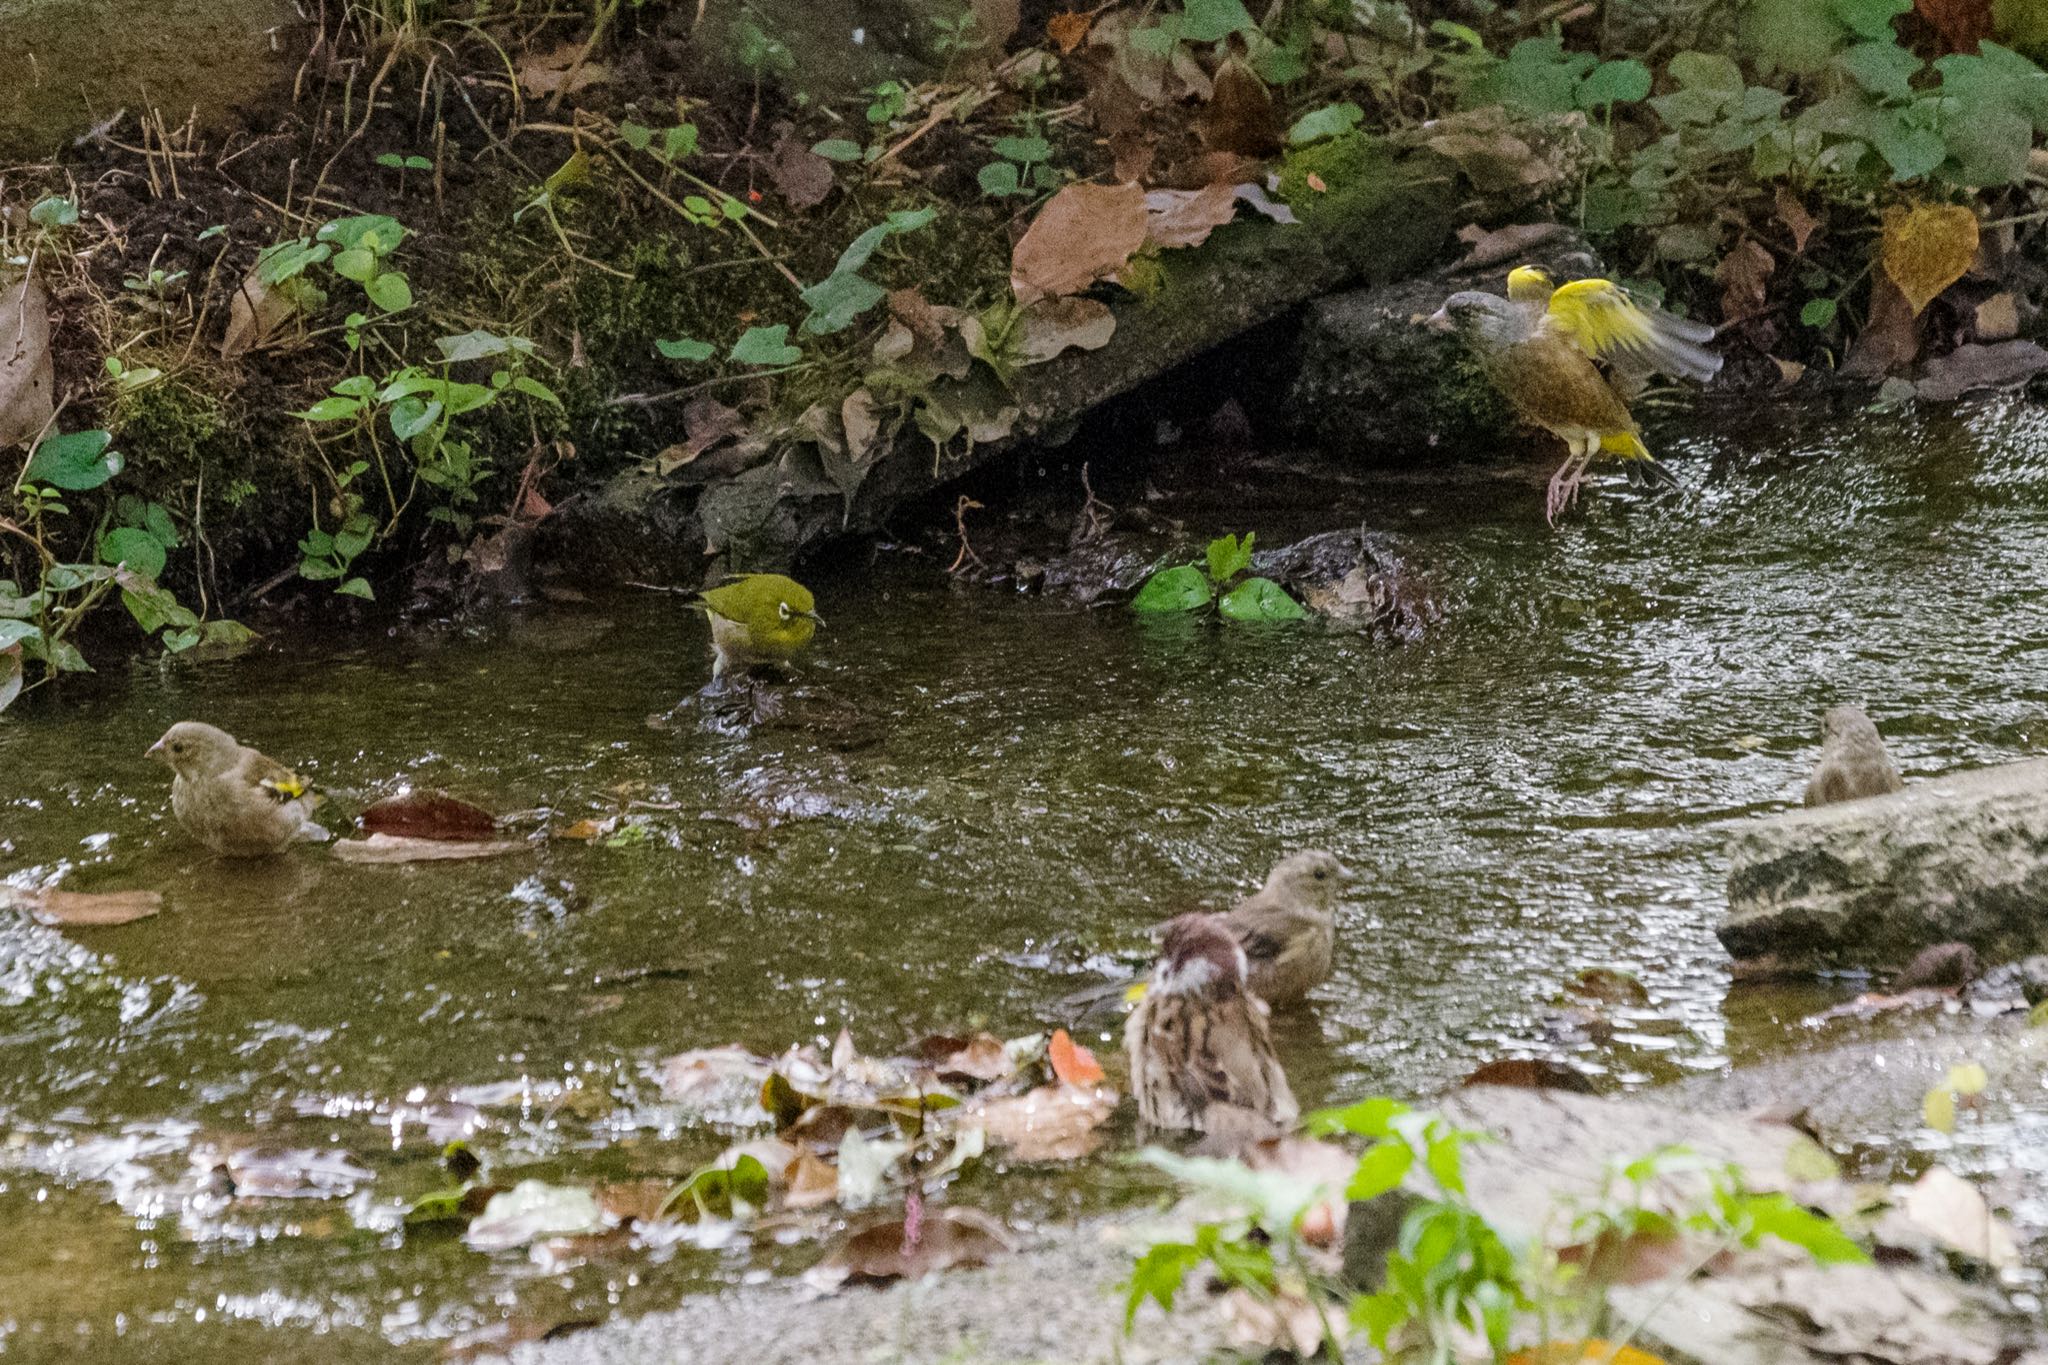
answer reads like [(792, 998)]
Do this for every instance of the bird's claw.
[(1564, 490)]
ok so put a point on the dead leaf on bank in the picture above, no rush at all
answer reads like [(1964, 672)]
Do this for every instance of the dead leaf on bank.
[(891, 1248), (297, 1173), (1239, 116), (1796, 219), (545, 73), (26, 375), (1285, 1321), (2007, 365), (1962, 24), (1083, 234), (980, 1058), (1255, 195), (1789, 371), (811, 1182), (428, 815), (392, 848), (1890, 339), (1996, 319), (1531, 1073), (803, 177), (1500, 245), (1949, 1209), (862, 422), (1927, 248), (1050, 326), (83, 909), (1051, 1123), (1184, 218), (1495, 155), (1745, 278), (1592, 1351), (254, 315), (1068, 29)]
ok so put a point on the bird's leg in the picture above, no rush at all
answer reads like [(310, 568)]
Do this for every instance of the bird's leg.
[(1564, 484)]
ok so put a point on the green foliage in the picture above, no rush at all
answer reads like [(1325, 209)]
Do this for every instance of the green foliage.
[(1451, 1278), (845, 294), (765, 346), (1332, 120), (1190, 587), (1023, 169), (75, 463), (53, 212)]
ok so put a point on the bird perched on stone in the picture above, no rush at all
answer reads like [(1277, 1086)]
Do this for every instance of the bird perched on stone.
[(757, 618), (1201, 1055), (231, 798), (1539, 351), (1853, 761), (1287, 929)]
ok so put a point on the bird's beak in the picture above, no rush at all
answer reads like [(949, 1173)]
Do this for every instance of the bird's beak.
[(156, 751), (813, 617), (1439, 321)]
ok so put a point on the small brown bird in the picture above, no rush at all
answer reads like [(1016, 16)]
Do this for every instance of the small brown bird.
[(1853, 763), (231, 798), (1200, 1053)]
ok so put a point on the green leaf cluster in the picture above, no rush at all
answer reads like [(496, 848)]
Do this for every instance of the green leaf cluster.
[(1191, 587)]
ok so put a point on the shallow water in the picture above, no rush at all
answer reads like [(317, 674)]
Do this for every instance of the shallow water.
[(1538, 786)]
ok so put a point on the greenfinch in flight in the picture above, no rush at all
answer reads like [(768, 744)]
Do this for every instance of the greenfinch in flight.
[(1612, 325), (757, 618), (231, 798)]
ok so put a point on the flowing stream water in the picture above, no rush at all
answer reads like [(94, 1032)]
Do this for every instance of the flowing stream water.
[(1540, 785)]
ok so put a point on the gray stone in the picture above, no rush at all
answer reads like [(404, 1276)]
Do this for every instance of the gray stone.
[(1870, 883)]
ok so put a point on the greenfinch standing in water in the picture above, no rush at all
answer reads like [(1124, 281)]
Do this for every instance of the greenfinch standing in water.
[(757, 618), (231, 798)]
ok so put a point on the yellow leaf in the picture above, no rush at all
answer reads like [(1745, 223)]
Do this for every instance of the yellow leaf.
[(1592, 1351), (1806, 1159), (1927, 248), (1939, 1109), (1966, 1078)]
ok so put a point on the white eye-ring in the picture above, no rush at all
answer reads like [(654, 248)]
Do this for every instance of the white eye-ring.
[(783, 609)]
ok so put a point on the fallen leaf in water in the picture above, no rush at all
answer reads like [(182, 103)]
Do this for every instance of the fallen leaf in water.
[(544, 73), (1531, 1073), (878, 1249), (530, 1210), (428, 815), (1968, 368), (1069, 29), (26, 376), (587, 829), (495, 1340), (1498, 246), (390, 848), (714, 1076), (1083, 234), (84, 909), (1185, 218), (638, 1201), (1051, 1123), (1871, 1004), (1073, 1064), (1050, 326), (980, 1058), (296, 1173), (811, 1182), (1949, 1209), (1609, 985), (864, 1166)]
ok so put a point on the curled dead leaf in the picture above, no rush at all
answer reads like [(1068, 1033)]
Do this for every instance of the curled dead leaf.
[(1796, 219), (1239, 116), (428, 815), (1183, 218), (1744, 276), (558, 69), (1083, 234), (392, 848), (980, 1058), (1051, 1123), (82, 908), (1927, 248), (26, 375), (1068, 29), (255, 313), (890, 1247)]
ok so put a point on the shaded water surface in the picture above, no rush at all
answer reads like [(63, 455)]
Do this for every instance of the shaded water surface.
[(1539, 786)]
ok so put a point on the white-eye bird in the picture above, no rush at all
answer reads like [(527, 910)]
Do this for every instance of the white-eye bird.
[(757, 618), (231, 798)]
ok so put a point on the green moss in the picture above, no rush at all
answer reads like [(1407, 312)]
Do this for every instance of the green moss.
[(1385, 213), (176, 431)]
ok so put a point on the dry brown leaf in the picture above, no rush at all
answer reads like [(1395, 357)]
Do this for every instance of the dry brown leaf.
[(1796, 219), (1949, 1209), (1745, 278), (980, 1058), (802, 176), (1927, 248), (1609, 985), (1789, 371), (1530, 1073), (1997, 318), (1183, 218), (390, 848), (544, 73), (1073, 1064), (1083, 234), (862, 422), (812, 1182), (2006, 365), (1050, 326), (26, 376), (1051, 1123), (1486, 248), (428, 815), (1239, 116), (1962, 24), (85, 909), (254, 315), (1068, 29), (878, 1249), (638, 1200), (1890, 339)]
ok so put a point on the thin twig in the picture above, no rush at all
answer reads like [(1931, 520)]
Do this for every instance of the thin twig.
[(649, 399)]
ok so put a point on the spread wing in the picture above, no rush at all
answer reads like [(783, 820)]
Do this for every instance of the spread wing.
[(1608, 323)]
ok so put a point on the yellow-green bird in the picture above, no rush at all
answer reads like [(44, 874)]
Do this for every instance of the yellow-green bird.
[(231, 798), (757, 618), (1539, 351)]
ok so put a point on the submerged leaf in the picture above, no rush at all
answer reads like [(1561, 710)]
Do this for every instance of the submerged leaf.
[(886, 1248), (1072, 1063), (1182, 588), (1260, 599), (83, 908), (428, 815), (530, 1210), (392, 848)]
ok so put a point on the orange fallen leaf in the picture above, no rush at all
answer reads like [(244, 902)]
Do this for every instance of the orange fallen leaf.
[(1069, 29), (1315, 182), (1592, 1351), (428, 815), (1071, 1062), (1927, 248)]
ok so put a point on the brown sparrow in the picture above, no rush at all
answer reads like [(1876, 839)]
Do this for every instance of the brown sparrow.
[(1201, 1056), (1853, 762), (231, 798), (1288, 929)]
